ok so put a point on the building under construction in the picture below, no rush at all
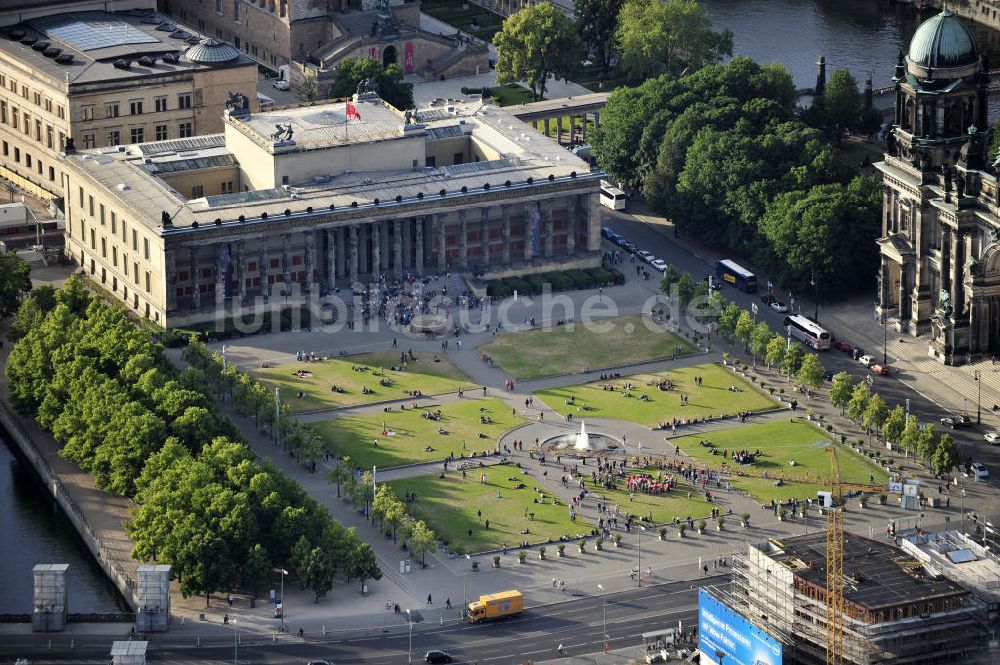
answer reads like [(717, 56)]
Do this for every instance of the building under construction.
[(895, 610)]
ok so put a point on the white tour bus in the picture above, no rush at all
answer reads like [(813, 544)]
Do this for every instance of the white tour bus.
[(611, 196), (808, 331)]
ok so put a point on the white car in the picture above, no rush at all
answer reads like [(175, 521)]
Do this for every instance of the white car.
[(992, 437), (645, 255), (867, 361), (281, 84), (659, 264), (779, 307), (977, 470)]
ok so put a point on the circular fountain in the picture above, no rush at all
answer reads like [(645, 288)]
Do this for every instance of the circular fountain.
[(582, 442)]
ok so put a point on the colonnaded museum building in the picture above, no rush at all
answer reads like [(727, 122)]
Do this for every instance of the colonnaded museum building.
[(940, 244), (324, 197)]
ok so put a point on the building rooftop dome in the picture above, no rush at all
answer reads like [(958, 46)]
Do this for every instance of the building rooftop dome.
[(943, 42), (212, 51)]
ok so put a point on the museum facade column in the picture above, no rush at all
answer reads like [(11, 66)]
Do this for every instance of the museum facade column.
[(376, 265), (286, 263), (195, 280), (331, 259), (171, 280), (505, 232), (548, 228), (529, 213), (222, 260), (262, 266), (241, 261), (397, 248), (463, 241), (353, 252), (418, 249)]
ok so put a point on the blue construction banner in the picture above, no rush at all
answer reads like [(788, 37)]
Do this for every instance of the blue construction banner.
[(726, 637)]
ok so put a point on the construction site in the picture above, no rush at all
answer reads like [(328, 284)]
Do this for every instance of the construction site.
[(895, 611)]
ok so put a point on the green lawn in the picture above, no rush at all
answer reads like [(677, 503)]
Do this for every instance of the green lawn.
[(782, 441), (472, 19), (429, 373), (572, 348), (664, 507), (712, 398), (449, 506), (411, 433)]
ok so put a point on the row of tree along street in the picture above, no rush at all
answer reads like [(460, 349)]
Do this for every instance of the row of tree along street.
[(855, 400), (146, 430)]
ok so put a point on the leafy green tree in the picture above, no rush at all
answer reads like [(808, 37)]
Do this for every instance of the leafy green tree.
[(535, 42), (318, 573), (361, 564), (256, 567), (793, 360), (810, 372), (927, 443), (760, 338), (858, 403), (300, 558), (596, 21), (842, 100), (309, 92), (15, 282), (841, 390), (341, 473), (945, 456), (894, 425), (74, 295), (420, 540), (29, 315), (910, 438), (687, 289), (390, 82), (744, 327), (775, 352), (670, 277), (876, 413), (671, 37), (728, 319)]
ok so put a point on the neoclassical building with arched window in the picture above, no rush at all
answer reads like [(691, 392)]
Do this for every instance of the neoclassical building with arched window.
[(940, 243)]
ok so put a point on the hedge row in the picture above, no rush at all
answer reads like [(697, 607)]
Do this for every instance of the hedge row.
[(567, 280)]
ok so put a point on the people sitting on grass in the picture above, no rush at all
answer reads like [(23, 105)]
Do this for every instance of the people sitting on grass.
[(745, 457), (485, 420), (385, 383), (365, 390), (431, 415), (300, 394), (337, 389)]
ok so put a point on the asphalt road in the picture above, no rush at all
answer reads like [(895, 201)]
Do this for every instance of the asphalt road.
[(894, 391), (576, 624)]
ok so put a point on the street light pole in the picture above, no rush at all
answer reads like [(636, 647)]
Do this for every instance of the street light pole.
[(604, 598), (979, 396), (283, 573), (885, 339), (409, 652), (638, 553), (236, 642), (815, 296)]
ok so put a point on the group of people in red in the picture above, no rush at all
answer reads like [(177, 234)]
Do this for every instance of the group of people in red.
[(643, 482)]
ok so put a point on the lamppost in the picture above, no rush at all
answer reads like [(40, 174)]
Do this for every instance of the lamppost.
[(465, 578), (979, 396), (963, 506), (638, 553), (812, 283), (885, 339), (283, 573), (236, 642), (409, 651), (604, 599)]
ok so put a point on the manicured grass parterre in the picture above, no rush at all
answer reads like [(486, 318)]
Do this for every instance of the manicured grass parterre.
[(572, 348), (429, 373), (711, 398), (780, 442), (448, 505), (410, 434), (511, 94), (663, 507)]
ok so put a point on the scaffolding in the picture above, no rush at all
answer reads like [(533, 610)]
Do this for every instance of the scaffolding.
[(894, 612), (50, 597)]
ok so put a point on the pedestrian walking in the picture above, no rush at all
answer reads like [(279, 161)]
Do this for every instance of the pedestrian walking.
[(429, 601)]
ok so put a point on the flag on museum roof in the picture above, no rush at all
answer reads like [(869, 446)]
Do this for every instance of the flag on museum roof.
[(352, 112)]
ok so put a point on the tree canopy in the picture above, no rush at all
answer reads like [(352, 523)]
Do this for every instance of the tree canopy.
[(15, 282), (391, 86), (535, 42), (597, 20), (669, 37)]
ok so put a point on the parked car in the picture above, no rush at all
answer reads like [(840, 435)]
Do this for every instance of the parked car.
[(977, 470), (645, 255), (842, 345), (779, 307), (992, 437), (619, 239), (659, 264), (606, 232), (281, 84), (857, 352), (437, 657), (867, 361), (320, 662), (881, 370), (767, 299), (828, 375), (956, 421), (627, 246)]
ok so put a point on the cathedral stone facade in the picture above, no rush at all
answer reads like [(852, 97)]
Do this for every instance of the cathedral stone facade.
[(940, 244)]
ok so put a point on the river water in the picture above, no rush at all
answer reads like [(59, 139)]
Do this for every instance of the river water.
[(33, 530), (859, 35)]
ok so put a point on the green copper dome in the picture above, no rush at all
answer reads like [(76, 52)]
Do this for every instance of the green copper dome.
[(943, 42)]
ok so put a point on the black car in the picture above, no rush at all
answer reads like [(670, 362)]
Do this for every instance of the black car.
[(828, 375), (857, 352), (437, 657), (767, 299), (956, 421)]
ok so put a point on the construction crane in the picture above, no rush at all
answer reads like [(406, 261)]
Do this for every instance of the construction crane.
[(835, 567)]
